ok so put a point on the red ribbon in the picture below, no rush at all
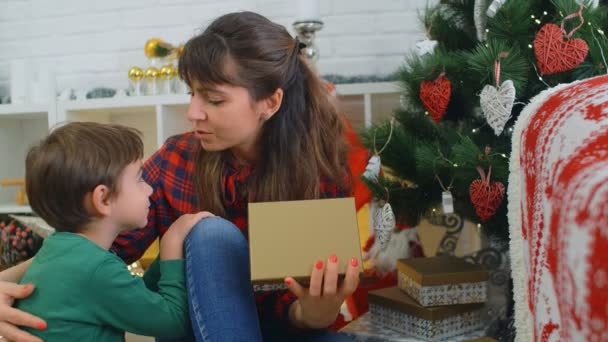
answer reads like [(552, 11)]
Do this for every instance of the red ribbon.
[(571, 16)]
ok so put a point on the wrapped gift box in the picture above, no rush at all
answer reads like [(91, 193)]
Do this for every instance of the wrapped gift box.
[(286, 238), (442, 281), (363, 329), (393, 309)]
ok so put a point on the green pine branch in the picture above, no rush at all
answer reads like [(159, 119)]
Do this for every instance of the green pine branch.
[(422, 157)]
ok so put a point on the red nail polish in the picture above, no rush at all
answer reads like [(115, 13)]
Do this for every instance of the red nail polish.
[(42, 326), (319, 265), (354, 262), (333, 258), (288, 282)]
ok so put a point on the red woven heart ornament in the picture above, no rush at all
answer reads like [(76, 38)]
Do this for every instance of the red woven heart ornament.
[(555, 51), (485, 195), (435, 96)]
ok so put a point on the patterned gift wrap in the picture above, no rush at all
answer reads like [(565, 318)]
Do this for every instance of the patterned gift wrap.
[(429, 324), (364, 329), (441, 281), (449, 294)]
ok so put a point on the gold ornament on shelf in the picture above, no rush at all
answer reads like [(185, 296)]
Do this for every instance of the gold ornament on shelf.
[(176, 53), (135, 76), (151, 76), (167, 74), (151, 73), (168, 71), (157, 48), (159, 53)]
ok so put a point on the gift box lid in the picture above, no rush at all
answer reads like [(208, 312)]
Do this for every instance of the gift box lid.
[(396, 299), (286, 238), (441, 271)]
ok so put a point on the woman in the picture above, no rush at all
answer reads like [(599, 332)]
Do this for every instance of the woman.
[(264, 129)]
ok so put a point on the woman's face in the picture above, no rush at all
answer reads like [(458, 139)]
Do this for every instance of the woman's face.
[(225, 117)]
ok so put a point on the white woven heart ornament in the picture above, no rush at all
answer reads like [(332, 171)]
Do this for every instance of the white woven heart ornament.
[(372, 170), (497, 104), (383, 222)]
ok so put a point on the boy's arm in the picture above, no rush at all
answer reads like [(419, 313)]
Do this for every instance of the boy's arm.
[(123, 301), (152, 275), (15, 273)]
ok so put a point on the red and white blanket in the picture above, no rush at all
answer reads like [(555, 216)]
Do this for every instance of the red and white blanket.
[(558, 214)]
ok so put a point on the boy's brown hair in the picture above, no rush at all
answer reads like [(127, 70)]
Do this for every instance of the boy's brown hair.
[(71, 162)]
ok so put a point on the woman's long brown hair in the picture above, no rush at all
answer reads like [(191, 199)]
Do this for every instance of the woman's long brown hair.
[(301, 144)]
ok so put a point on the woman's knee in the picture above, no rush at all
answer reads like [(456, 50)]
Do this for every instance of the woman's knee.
[(215, 230)]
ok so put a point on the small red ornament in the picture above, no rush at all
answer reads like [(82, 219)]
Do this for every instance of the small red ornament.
[(555, 51), (435, 96), (486, 196)]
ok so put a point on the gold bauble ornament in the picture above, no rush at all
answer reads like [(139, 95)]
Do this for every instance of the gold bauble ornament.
[(150, 47), (157, 47), (151, 73), (168, 71), (136, 74)]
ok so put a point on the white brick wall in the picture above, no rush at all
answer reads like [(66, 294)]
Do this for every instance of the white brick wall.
[(93, 42)]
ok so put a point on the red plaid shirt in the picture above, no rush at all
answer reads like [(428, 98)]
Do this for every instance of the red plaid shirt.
[(169, 171)]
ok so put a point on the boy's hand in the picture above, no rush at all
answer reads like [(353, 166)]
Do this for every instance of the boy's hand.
[(171, 245)]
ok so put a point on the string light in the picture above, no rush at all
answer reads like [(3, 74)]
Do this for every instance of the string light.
[(537, 21), (455, 165), (532, 16), (545, 13), (135, 270), (474, 130), (529, 46), (601, 50)]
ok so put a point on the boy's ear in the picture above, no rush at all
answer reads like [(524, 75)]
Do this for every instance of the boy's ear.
[(98, 201)]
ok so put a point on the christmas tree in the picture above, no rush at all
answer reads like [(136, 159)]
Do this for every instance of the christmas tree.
[(451, 138)]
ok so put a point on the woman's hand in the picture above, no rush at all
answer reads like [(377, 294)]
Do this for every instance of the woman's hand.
[(11, 318), (318, 306)]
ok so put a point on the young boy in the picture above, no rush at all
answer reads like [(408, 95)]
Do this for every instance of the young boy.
[(84, 179)]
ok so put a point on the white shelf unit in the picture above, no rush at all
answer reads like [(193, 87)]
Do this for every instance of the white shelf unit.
[(20, 127), (15, 209), (157, 117)]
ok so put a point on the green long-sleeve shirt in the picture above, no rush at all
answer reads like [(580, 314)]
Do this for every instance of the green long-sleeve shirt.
[(86, 293)]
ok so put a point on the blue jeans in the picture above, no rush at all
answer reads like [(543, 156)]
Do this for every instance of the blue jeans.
[(220, 295)]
